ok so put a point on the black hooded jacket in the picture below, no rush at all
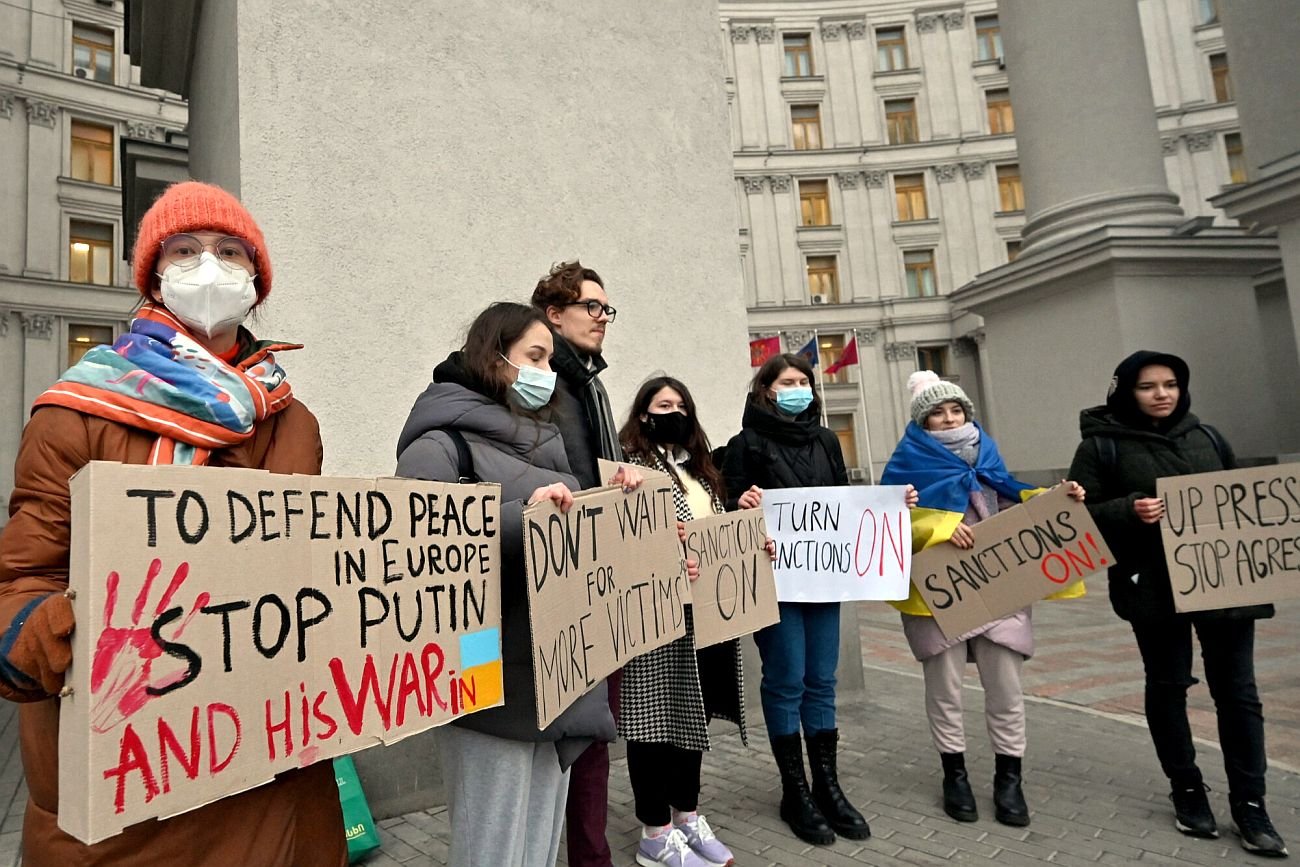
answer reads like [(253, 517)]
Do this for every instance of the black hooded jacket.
[(577, 410), (774, 450), (1122, 454)]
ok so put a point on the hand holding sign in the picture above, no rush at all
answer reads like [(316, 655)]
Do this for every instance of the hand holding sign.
[(123, 678)]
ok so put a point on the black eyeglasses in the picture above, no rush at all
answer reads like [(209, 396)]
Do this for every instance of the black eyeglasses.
[(594, 308)]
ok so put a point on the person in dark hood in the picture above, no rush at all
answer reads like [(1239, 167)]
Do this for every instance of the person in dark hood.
[(506, 780), (1146, 431), (783, 445)]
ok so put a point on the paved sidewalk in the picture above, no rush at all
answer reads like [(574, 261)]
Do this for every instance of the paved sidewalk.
[(1092, 782)]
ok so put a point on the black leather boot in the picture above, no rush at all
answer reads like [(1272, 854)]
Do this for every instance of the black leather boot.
[(1008, 798), (958, 799), (797, 807), (826, 792)]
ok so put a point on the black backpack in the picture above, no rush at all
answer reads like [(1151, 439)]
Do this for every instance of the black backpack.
[(464, 459), (1109, 454)]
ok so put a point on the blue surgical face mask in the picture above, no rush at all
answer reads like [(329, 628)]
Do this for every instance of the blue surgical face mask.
[(793, 401), (533, 388)]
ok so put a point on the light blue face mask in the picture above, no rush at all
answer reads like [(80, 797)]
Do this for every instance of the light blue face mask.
[(533, 388), (793, 401)]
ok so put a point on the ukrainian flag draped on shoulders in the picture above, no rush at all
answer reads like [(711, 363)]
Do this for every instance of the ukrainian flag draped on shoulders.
[(944, 484)]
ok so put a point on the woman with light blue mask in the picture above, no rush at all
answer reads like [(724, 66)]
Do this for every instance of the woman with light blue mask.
[(484, 418), (782, 444)]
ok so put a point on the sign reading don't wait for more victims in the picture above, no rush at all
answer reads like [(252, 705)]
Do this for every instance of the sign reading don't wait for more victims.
[(233, 624)]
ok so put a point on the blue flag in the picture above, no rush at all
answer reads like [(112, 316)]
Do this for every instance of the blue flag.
[(809, 352)]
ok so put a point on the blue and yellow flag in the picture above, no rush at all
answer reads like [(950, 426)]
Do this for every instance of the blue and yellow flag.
[(944, 484)]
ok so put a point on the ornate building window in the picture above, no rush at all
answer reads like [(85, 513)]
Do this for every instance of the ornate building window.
[(1001, 120), (919, 266), (806, 121), (891, 49), (1011, 194), (900, 121), (1236, 157), (90, 253), (92, 53), (823, 280), (814, 203), (82, 338), (92, 152), (1219, 75), (933, 358), (988, 38), (798, 54), (909, 194)]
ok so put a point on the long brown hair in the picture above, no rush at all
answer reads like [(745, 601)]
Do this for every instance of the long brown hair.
[(637, 444), (773, 368)]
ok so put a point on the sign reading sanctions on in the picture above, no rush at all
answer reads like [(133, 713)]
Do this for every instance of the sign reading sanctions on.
[(840, 544), (1020, 556), (233, 624), (1232, 538), (606, 582), (736, 591)]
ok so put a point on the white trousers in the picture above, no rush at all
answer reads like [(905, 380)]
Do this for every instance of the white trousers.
[(1004, 702)]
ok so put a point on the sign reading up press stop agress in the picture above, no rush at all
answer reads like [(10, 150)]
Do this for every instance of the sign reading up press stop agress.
[(233, 624)]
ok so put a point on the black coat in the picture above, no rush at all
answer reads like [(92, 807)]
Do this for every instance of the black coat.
[(575, 413), (1143, 454), (774, 450)]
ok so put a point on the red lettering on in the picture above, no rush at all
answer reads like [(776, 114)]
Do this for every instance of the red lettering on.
[(354, 703), (214, 766), (167, 742), (131, 758)]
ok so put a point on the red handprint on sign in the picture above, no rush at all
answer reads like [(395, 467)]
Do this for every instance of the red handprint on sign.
[(133, 664)]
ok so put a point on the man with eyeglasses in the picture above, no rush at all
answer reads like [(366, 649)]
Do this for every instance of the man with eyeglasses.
[(573, 300)]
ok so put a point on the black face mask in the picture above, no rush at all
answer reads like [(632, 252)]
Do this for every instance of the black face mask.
[(668, 428)]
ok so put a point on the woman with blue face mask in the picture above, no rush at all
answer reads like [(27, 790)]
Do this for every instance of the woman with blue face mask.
[(782, 444), (483, 418)]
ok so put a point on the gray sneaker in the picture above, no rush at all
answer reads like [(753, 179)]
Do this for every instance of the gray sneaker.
[(699, 836), (667, 850)]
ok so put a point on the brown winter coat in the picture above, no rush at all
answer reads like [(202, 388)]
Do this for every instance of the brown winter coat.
[(295, 820)]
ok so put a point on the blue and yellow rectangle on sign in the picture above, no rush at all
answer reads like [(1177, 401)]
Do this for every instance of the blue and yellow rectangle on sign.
[(480, 672)]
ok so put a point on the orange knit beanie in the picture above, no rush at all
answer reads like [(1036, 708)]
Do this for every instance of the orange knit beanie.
[(191, 206)]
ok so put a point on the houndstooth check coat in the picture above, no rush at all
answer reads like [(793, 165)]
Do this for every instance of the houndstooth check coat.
[(669, 694)]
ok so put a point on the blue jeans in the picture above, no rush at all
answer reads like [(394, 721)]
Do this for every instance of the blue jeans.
[(800, 654)]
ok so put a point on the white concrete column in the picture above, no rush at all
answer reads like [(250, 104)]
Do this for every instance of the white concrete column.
[(880, 207), (785, 202), (40, 354), (749, 88), (770, 66), (1092, 159), (936, 64), (856, 219), (841, 88), (43, 163), (989, 251), (13, 142), (764, 242), (955, 220), (967, 92), (870, 122)]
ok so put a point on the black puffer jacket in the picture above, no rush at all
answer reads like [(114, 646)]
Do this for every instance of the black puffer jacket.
[(774, 450), (1115, 479)]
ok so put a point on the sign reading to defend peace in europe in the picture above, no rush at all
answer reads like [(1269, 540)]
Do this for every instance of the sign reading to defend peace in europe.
[(233, 624)]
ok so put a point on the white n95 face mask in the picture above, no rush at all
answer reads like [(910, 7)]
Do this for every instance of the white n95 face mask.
[(209, 296)]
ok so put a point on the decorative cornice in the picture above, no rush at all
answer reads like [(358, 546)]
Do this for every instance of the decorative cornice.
[(6, 105), (1169, 145), (866, 336), (764, 33), (4, 322), (146, 131), (875, 177), (848, 180), (752, 184), (954, 20), (740, 33), (856, 29), (945, 172), (42, 113), (905, 351), (1199, 141), (831, 31), (37, 325), (926, 23), (779, 183), (973, 171), (963, 347)]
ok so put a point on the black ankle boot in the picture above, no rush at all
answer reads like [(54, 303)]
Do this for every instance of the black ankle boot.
[(826, 790), (1008, 799), (958, 799), (797, 807)]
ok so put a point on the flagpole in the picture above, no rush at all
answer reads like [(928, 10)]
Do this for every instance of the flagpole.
[(817, 347), (866, 421)]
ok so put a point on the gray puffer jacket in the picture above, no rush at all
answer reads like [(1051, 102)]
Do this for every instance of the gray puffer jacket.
[(521, 455)]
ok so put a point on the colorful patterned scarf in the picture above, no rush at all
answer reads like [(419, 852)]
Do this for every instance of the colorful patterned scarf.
[(157, 377)]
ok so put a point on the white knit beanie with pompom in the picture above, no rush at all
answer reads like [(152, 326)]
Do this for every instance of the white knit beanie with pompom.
[(928, 391)]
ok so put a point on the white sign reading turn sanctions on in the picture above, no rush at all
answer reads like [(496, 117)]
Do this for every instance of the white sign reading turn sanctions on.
[(840, 544)]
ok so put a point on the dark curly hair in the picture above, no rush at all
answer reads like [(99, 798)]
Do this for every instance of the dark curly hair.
[(563, 284)]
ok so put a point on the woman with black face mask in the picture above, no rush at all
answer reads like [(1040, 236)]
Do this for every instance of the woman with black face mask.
[(669, 695)]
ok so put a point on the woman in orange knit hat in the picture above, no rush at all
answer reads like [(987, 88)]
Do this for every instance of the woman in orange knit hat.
[(188, 384)]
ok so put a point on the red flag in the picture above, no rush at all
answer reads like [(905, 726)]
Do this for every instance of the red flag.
[(762, 349), (849, 356)]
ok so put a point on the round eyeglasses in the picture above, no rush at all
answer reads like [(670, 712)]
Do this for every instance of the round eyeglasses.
[(185, 250), (594, 308)]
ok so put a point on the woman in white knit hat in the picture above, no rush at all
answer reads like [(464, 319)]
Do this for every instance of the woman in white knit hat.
[(955, 466)]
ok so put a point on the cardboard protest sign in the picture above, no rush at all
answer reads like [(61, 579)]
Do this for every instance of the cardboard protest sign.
[(736, 591), (233, 624), (606, 582), (1231, 538), (840, 544), (1020, 556)]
